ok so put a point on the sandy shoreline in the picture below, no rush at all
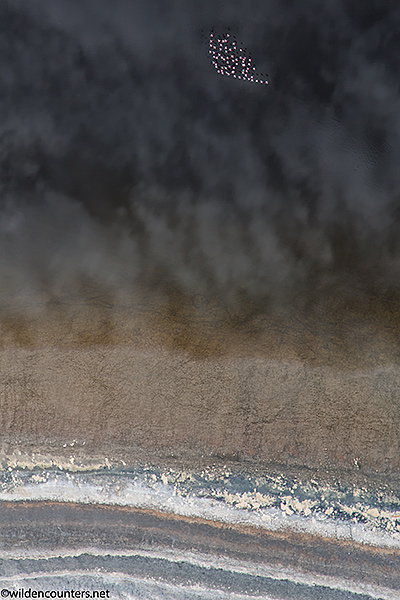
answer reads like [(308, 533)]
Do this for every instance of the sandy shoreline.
[(242, 408)]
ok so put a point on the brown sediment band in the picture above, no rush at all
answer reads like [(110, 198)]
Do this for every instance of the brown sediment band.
[(339, 332), (129, 397), (61, 526)]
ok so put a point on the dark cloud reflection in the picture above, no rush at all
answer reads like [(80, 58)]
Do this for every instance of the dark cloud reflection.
[(127, 162)]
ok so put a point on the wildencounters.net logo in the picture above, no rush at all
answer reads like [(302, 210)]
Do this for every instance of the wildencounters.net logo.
[(29, 593)]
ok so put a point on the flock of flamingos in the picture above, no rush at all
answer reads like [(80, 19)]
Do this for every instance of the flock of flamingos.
[(231, 60)]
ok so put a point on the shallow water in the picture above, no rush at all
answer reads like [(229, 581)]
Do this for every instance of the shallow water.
[(150, 530), (199, 273)]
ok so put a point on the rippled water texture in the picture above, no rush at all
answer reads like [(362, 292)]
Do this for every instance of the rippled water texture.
[(201, 271)]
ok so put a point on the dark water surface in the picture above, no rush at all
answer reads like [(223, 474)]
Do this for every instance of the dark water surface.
[(199, 269)]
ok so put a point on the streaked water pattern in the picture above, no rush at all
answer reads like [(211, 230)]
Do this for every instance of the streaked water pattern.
[(224, 494)]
